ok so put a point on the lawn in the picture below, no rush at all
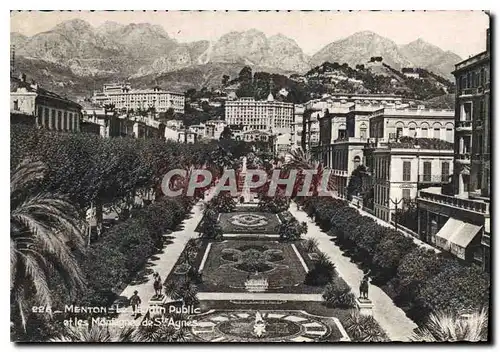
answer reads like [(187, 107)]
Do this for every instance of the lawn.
[(232, 262)]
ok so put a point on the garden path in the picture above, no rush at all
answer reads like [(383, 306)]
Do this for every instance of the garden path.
[(165, 261), (391, 318)]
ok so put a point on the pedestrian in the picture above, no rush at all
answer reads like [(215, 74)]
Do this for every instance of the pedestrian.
[(135, 301)]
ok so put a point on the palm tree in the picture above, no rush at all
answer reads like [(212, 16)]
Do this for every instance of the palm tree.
[(162, 329), (299, 159), (97, 333), (45, 229), (446, 327)]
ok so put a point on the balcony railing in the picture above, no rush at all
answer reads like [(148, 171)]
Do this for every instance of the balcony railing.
[(485, 239), (467, 204), (464, 125), (463, 158), (425, 178)]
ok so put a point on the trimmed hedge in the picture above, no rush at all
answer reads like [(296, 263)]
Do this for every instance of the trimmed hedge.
[(124, 250), (420, 281)]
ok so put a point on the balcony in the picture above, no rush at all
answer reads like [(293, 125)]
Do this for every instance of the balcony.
[(467, 204), (486, 240), (463, 158), (465, 125), (425, 178)]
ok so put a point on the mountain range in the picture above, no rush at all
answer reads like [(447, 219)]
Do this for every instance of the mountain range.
[(145, 50)]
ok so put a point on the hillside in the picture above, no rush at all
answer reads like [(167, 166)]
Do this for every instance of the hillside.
[(377, 77), (360, 47)]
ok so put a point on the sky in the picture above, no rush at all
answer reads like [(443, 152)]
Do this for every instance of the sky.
[(462, 32)]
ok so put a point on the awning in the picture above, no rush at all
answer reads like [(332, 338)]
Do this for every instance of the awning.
[(446, 232), (456, 235), (463, 238)]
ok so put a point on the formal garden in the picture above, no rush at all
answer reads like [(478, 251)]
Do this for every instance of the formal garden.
[(249, 268)]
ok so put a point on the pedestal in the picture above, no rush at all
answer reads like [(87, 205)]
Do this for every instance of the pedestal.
[(365, 306), (156, 301)]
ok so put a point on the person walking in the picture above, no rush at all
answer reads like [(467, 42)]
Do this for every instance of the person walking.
[(135, 301)]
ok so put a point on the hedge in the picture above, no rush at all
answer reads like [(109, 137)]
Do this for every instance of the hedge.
[(124, 250), (419, 280)]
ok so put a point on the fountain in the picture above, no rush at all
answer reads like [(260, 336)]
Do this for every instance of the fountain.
[(259, 327)]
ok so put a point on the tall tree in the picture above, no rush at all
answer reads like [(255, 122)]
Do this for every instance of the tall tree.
[(45, 231)]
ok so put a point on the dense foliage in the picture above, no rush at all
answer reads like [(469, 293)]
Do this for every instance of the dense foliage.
[(292, 229), (419, 281), (338, 294)]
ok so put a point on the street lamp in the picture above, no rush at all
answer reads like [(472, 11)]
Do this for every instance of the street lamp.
[(396, 203)]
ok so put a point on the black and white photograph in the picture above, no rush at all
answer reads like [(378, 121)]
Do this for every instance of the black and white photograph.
[(264, 177)]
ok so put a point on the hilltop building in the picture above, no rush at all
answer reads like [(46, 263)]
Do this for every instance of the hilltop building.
[(263, 115), (124, 98)]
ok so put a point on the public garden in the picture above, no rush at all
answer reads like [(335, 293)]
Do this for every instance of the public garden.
[(254, 268)]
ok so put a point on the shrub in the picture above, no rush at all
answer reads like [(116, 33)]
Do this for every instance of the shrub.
[(310, 245), (223, 202), (322, 273), (210, 228), (364, 328), (337, 294), (292, 230)]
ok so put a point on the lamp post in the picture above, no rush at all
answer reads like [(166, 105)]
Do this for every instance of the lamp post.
[(396, 202)]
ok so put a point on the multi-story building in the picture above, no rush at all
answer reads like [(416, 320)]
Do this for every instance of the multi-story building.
[(262, 115), (214, 128), (457, 219), (416, 123), (198, 129), (297, 128), (174, 124), (40, 107), (402, 167), (108, 121), (186, 136), (125, 99)]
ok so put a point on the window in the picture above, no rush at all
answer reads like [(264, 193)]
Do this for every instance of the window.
[(362, 133), (449, 135), (424, 132), (427, 171), (467, 112), (437, 132), (16, 104), (406, 170), (412, 132), (399, 132), (406, 194), (445, 171), (342, 134)]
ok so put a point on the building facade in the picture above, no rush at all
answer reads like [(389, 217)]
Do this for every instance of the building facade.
[(125, 99), (400, 169), (46, 109), (214, 128), (262, 115), (457, 219)]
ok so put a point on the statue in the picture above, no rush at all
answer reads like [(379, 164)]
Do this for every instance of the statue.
[(157, 284), (363, 288)]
